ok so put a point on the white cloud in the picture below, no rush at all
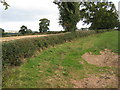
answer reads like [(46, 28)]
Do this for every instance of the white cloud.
[(32, 4), (28, 12)]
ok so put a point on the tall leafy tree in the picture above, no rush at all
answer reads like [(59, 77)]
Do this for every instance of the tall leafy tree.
[(101, 15), (69, 14), (43, 25)]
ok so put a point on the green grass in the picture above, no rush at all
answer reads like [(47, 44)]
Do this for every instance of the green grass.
[(56, 66)]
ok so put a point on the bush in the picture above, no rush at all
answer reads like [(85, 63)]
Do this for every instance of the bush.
[(15, 51)]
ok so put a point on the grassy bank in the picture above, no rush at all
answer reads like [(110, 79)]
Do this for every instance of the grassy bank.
[(56, 66)]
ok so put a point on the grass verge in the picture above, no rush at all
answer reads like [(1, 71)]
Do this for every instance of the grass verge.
[(56, 66)]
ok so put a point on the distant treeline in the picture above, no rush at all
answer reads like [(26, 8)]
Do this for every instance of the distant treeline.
[(33, 33)]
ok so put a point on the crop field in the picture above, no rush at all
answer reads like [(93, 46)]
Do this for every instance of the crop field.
[(86, 62)]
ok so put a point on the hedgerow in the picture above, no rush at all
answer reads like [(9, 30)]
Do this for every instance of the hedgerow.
[(14, 52)]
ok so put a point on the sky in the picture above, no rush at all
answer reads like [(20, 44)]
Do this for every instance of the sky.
[(29, 12)]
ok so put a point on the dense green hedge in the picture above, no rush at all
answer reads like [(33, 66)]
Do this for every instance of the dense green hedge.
[(14, 52)]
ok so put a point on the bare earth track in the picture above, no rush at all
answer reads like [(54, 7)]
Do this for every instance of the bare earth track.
[(4, 39), (20, 37)]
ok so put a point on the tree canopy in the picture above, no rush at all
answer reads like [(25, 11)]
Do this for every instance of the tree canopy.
[(43, 25), (119, 26), (2, 31), (101, 15), (5, 4), (69, 14), (23, 29)]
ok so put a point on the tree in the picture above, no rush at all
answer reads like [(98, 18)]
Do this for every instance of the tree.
[(69, 15), (28, 31), (23, 29), (5, 4), (101, 15), (119, 26), (43, 25), (2, 31)]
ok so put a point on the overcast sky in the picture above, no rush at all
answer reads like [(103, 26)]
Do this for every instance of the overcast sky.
[(28, 13)]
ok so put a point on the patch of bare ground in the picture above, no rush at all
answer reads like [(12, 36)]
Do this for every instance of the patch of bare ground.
[(93, 81), (107, 58)]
